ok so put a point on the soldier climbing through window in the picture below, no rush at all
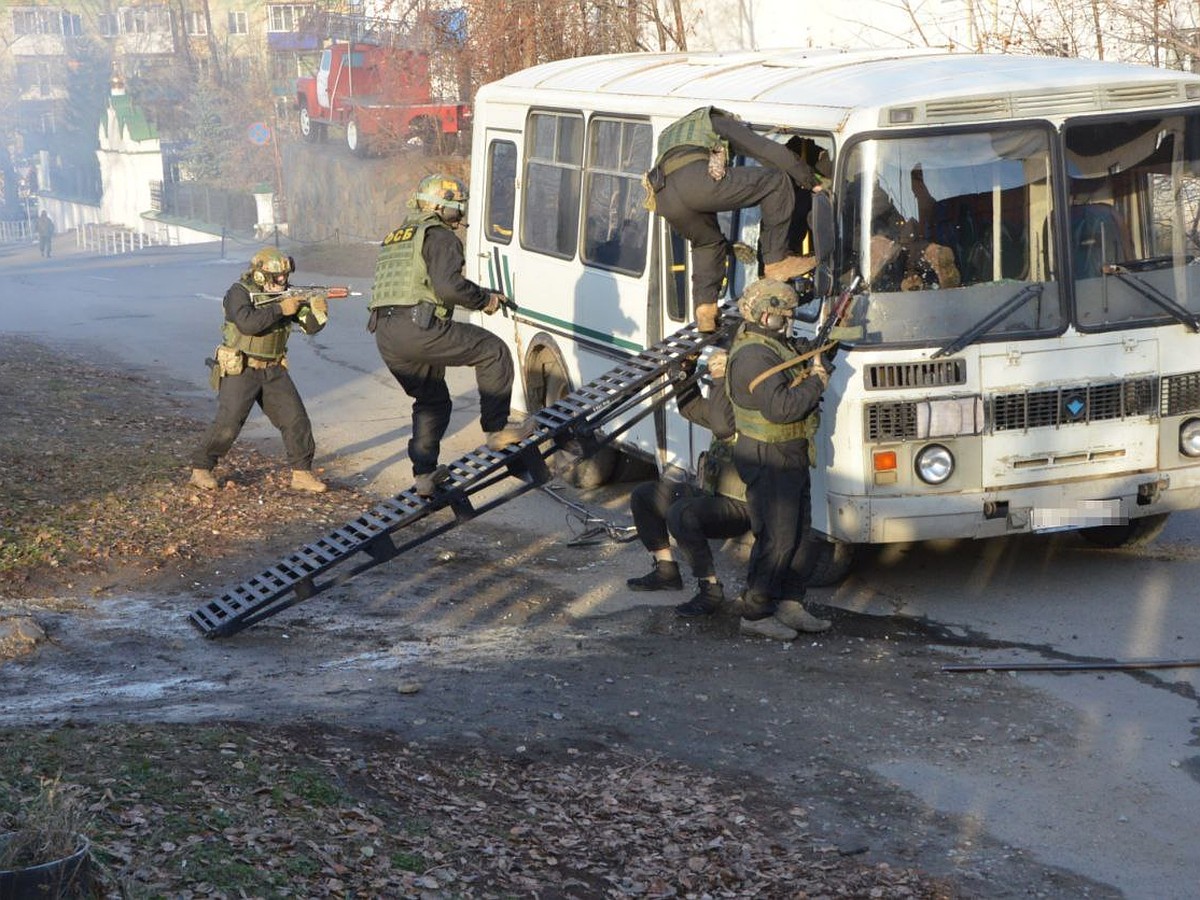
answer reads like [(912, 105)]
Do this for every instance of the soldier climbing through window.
[(692, 181)]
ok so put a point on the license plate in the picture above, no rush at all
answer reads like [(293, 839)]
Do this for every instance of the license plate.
[(1086, 514)]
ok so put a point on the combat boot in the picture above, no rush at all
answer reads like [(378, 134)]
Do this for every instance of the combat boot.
[(203, 479), (793, 614), (512, 433), (663, 577), (304, 480), (426, 483), (706, 602), (789, 267), (753, 606), (770, 627), (707, 317), (744, 253)]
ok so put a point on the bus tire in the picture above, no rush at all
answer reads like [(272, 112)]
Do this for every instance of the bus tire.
[(832, 563), (1134, 533), (546, 383)]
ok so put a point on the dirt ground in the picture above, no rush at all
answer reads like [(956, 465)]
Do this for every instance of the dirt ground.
[(453, 723)]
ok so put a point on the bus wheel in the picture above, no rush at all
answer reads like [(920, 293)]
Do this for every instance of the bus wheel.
[(1134, 533), (546, 383), (832, 563)]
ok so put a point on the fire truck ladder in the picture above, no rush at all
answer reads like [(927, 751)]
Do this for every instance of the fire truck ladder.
[(640, 381)]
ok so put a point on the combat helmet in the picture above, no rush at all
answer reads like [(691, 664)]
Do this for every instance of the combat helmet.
[(441, 190), (767, 296), (268, 263)]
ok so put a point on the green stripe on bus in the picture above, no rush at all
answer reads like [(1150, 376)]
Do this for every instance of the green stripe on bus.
[(572, 327)]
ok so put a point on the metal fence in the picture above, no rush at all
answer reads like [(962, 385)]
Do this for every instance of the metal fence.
[(15, 232), (109, 240), (212, 206)]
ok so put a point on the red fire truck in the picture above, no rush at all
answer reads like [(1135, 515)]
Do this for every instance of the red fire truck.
[(381, 96)]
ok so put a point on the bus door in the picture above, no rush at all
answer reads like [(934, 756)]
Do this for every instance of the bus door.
[(679, 441), (499, 211)]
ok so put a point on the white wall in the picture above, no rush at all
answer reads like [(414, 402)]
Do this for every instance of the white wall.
[(127, 168)]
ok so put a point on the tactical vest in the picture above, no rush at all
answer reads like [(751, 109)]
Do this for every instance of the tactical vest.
[(693, 130), (751, 422), (271, 345), (401, 278)]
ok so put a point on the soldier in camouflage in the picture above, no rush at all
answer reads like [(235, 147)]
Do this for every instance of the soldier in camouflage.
[(251, 367), (776, 418)]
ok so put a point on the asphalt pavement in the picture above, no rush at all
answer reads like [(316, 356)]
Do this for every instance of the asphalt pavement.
[(1119, 807)]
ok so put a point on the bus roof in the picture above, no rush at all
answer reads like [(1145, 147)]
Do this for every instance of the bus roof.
[(831, 86)]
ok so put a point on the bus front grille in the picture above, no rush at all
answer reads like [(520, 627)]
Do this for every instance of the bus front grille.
[(1073, 405), (1180, 394), (925, 373), (894, 421)]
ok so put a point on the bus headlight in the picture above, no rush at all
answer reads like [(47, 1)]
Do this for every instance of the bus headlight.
[(934, 464), (1189, 438)]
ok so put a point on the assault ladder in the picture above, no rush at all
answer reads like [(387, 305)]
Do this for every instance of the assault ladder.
[(640, 381)]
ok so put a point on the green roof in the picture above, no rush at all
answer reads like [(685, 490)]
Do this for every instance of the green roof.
[(131, 119)]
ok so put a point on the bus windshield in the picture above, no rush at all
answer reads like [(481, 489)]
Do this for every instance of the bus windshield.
[(946, 230), (1134, 186)]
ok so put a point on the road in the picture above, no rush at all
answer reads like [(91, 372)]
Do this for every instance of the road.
[(1112, 801)]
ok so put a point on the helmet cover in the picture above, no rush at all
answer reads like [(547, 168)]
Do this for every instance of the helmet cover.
[(272, 261), (442, 190), (767, 296)]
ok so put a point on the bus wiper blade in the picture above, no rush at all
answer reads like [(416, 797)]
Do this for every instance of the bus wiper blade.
[(999, 314), (1154, 295)]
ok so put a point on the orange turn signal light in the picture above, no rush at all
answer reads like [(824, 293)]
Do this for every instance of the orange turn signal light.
[(885, 460)]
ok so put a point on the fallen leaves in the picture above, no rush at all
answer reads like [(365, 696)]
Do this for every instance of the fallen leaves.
[(95, 479)]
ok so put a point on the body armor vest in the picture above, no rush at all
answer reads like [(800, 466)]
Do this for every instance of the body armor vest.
[(693, 130), (751, 422), (401, 278), (271, 345)]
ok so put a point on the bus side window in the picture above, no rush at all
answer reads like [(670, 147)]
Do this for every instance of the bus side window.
[(616, 222), (501, 191), (553, 166)]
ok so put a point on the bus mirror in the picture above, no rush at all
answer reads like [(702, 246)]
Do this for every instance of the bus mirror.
[(820, 222)]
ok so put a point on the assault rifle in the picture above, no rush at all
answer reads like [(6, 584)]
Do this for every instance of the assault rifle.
[(306, 293)]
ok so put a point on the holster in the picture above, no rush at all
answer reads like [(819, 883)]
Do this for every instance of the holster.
[(423, 314)]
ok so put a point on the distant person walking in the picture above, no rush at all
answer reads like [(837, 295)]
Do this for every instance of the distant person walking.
[(45, 233)]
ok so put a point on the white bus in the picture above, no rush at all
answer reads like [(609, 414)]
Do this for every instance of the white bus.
[(1047, 377)]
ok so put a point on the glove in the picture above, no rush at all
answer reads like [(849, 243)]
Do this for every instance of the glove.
[(818, 369), (289, 305), (320, 306), (494, 302), (717, 363)]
